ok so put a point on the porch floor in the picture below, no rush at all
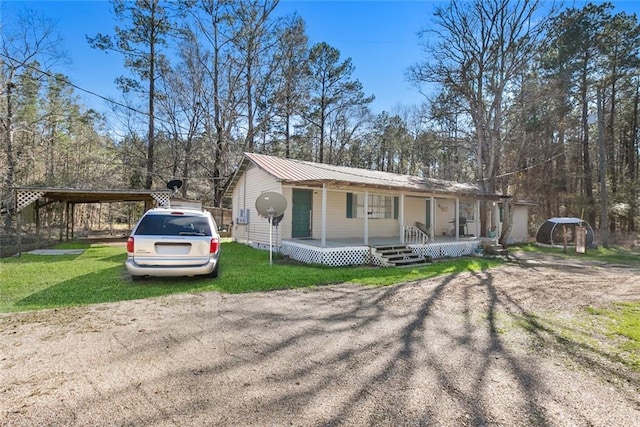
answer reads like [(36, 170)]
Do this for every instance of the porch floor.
[(373, 241)]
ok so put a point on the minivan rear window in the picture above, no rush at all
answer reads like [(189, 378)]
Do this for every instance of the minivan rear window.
[(169, 225)]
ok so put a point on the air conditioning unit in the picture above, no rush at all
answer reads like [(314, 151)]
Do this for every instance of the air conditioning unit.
[(243, 216)]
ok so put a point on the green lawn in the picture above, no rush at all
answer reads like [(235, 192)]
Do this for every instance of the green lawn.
[(33, 282), (621, 324), (612, 255)]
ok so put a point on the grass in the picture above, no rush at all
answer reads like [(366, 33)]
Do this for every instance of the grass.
[(612, 255), (591, 335), (34, 282), (622, 325), (614, 331)]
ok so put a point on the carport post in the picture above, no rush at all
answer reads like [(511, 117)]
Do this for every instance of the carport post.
[(61, 226), (73, 219), (19, 227), (67, 209), (37, 209)]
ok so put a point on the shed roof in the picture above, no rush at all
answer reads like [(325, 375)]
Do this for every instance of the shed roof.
[(291, 171), (566, 220)]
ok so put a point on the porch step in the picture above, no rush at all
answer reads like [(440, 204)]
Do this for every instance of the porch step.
[(400, 255)]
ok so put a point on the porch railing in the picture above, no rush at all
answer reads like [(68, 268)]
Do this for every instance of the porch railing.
[(413, 235)]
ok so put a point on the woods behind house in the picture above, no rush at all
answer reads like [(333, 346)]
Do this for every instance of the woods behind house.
[(514, 89)]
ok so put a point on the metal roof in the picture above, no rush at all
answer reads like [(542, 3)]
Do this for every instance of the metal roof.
[(27, 195), (291, 171)]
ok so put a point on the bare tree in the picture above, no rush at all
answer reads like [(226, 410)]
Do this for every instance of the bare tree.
[(254, 40), (28, 43), (182, 106), (332, 89), (291, 57), (213, 22), (140, 43), (481, 46)]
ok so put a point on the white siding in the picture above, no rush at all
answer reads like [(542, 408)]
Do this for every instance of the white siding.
[(286, 224), (444, 212), (520, 226), (253, 183), (339, 226), (519, 229), (415, 210)]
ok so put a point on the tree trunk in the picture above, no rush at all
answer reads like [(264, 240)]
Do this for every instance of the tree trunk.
[(586, 159), (11, 162), (508, 209)]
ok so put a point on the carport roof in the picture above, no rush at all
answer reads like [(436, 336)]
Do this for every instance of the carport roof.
[(27, 195)]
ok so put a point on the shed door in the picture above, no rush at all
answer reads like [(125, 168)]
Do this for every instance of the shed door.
[(301, 226)]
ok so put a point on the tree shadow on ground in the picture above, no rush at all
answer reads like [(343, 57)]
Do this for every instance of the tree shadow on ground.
[(422, 353)]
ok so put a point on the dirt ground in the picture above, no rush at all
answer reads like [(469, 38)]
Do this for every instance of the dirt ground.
[(495, 348)]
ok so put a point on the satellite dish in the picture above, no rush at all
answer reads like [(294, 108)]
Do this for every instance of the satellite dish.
[(276, 220), (174, 184), (271, 204)]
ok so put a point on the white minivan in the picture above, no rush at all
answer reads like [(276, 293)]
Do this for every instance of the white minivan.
[(174, 242)]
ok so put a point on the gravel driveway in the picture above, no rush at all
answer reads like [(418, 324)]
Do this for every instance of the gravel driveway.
[(476, 349)]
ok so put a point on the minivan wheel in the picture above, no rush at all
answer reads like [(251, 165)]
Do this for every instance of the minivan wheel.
[(214, 273)]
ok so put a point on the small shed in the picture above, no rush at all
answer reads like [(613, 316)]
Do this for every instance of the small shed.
[(551, 232)]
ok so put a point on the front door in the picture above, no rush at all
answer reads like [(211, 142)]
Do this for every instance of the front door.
[(301, 226)]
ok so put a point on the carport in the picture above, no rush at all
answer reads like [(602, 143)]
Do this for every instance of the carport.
[(69, 197)]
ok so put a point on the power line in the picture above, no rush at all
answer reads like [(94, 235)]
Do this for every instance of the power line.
[(562, 153), (65, 80)]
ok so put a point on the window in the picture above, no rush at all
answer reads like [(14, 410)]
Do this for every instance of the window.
[(379, 206), (467, 210), (168, 225)]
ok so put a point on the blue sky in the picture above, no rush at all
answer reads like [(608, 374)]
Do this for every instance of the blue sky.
[(379, 36)]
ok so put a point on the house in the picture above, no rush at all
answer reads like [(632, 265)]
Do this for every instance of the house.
[(338, 215)]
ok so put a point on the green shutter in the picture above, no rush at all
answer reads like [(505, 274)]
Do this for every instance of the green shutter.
[(349, 205), (396, 203), (501, 214)]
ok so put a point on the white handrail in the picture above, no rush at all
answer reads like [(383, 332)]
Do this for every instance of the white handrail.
[(413, 235)]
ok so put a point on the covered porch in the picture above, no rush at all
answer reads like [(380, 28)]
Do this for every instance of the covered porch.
[(431, 226), (352, 251), (411, 217)]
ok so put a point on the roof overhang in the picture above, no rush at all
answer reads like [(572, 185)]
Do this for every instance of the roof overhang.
[(346, 185)]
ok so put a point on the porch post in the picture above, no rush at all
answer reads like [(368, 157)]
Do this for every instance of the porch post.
[(323, 227), (457, 219), (401, 215), (477, 217), (366, 218), (496, 217), (432, 215)]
